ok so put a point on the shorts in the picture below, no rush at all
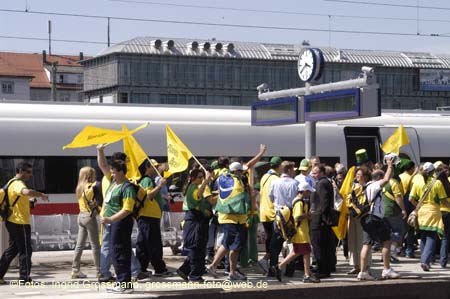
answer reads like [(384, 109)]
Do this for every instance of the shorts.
[(375, 229), (397, 226), (302, 248), (234, 236)]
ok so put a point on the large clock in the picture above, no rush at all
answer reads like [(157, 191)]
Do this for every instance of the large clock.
[(310, 64)]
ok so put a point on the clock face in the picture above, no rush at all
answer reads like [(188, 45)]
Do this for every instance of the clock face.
[(307, 65)]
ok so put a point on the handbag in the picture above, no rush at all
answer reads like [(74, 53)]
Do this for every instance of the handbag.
[(413, 219)]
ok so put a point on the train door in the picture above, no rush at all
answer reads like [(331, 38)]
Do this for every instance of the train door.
[(362, 137)]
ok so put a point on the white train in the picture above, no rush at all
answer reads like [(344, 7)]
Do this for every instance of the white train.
[(37, 132)]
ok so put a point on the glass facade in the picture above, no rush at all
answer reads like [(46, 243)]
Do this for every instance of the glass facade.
[(194, 80)]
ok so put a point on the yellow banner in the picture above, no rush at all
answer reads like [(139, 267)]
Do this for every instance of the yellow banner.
[(341, 229), (395, 141), (92, 136), (178, 154), (135, 154)]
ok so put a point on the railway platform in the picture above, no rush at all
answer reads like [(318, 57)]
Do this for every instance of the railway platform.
[(51, 271)]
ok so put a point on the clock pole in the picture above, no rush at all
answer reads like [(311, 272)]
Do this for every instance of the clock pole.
[(310, 131)]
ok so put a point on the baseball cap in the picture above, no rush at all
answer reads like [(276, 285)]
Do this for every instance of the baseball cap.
[(437, 164), (428, 167), (304, 164), (304, 186), (154, 162), (275, 161), (237, 166), (361, 156)]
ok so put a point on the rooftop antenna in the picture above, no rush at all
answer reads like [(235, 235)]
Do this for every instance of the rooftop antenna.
[(49, 37), (27, 6)]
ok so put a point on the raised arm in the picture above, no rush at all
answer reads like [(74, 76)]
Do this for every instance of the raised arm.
[(255, 159), (101, 159)]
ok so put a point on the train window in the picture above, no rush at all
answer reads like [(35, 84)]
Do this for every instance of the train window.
[(8, 170)]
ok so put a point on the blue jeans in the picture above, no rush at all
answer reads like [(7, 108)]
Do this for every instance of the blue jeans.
[(105, 255), (445, 240), (427, 245)]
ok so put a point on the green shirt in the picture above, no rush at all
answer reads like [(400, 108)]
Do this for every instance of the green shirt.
[(114, 202)]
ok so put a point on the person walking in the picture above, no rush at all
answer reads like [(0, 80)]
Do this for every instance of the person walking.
[(86, 191), (18, 223)]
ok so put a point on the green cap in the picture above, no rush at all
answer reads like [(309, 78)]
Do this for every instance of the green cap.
[(361, 156), (275, 161), (304, 164), (215, 164)]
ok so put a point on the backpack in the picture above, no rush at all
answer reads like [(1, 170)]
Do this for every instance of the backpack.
[(359, 210), (284, 223), (95, 202), (141, 195), (5, 206)]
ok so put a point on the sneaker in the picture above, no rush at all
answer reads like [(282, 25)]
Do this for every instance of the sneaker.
[(141, 276), (365, 276), (197, 280), (389, 274), (102, 278), (237, 276), (163, 274), (226, 273), (119, 290), (2, 281), (182, 275), (310, 279), (277, 272), (212, 271), (353, 271), (264, 266), (77, 275), (425, 267)]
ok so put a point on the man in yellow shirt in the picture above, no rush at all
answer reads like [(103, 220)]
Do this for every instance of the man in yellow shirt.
[(18, 223), (267, 209)]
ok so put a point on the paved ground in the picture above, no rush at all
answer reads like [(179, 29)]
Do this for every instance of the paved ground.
[(52, 271)]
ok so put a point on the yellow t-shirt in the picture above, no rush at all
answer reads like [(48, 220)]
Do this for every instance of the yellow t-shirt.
[(302, 231), (82, 204), (232, 218), (20, 212), (266, 207), (396, 188), (406, 181), (436, 195)]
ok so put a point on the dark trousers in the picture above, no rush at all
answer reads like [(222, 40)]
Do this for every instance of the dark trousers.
[(212, 233), (121, 248), (149, 247), (323, 248), (196, 231), (268, 231), (19, 243), (276, 244), (445, 240)]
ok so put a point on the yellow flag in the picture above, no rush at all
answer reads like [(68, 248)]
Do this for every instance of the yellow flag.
[(92, 135), (135, 154), (395, 141), (341, 229), (178, 154)]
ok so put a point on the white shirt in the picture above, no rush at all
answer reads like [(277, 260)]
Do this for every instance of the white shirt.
[(377, 208)]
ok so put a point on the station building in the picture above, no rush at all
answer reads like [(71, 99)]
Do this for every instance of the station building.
[(154, 70)]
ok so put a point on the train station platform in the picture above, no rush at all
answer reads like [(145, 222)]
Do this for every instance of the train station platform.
[(51, 270)]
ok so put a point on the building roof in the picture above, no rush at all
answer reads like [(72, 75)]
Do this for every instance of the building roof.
[(32, 65), (267, 51)]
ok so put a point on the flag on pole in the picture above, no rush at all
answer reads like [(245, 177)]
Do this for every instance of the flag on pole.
[(135, 154), (178, 154), (395, 141), (341, 229), (92, 136)]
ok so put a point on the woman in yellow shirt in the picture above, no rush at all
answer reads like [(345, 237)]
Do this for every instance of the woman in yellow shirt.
[(87, 219)]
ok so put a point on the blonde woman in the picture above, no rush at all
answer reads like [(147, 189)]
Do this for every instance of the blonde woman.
[(86, 190)]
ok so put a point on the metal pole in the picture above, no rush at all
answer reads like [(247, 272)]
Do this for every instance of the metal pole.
[(109, 33), (49, 37), (310, 131)]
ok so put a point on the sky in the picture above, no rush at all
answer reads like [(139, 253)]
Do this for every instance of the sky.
[(423, 27)]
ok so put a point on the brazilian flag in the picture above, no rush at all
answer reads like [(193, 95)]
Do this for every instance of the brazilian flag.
[(233, 199)]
